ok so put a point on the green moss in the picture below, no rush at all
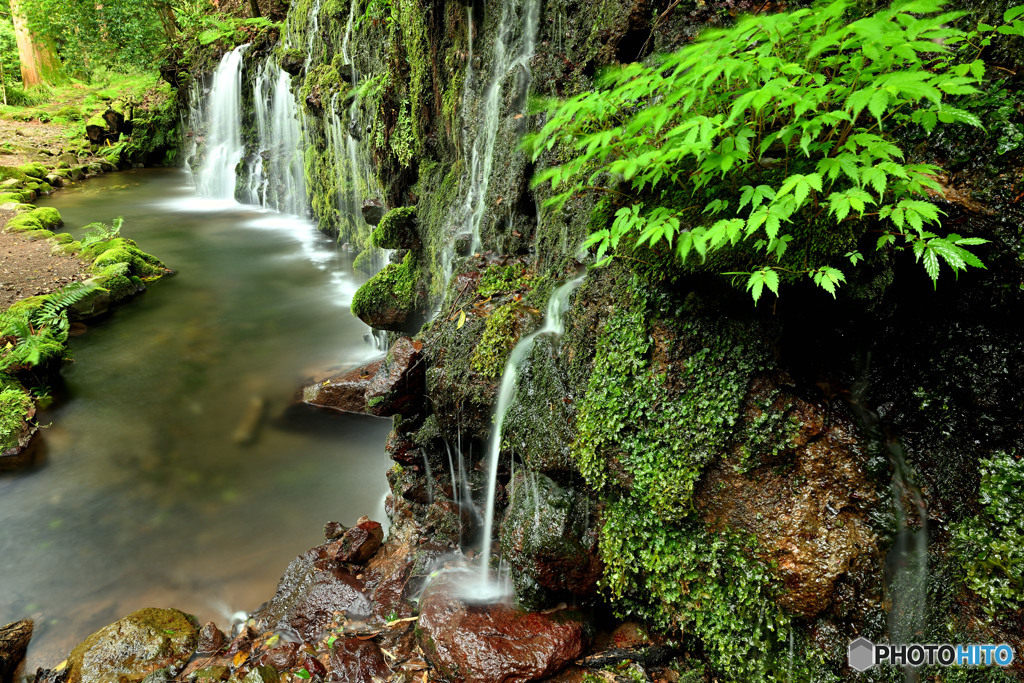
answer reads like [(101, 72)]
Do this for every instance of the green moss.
[(23, 223), (63, 238), (47, 216), (8, 197), (121, 250), (498, 279), (990, 545), (34, 170), (389, 297), (659, 406), (498, 340), (397, 230), (14, 407), (35, 235), (368, 262)]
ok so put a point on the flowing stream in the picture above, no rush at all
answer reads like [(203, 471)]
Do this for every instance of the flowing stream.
[(146, 497)]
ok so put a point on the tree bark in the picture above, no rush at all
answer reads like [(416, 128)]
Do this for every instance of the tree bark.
[(39, 62), (254, 7)]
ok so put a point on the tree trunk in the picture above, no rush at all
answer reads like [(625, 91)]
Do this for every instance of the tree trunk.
[(254, 7), (39, 62), (167, 19)]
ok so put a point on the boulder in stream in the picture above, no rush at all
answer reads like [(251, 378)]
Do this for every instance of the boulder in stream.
[(493, 643), (129, 650), (400, 383)]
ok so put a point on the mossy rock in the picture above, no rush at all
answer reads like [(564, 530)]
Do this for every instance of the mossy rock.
[(121, 250), (34, 170), (72, 247), (23, 223), (388, 300), (70, 113), (48, 216), (15, 412), (35, 235), (367, 262), (9, 197), (63, 238), (130, 649), (397, 230)]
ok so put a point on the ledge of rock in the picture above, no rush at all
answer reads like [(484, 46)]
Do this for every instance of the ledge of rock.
[(493, 643), (344, 392), (400, 384)]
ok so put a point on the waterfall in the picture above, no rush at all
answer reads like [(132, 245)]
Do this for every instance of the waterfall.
[(223, 150), (553, 325), (276, 176), (510, 57), (908, 558)]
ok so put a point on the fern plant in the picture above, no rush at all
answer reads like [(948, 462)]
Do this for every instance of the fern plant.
[(42, 331), (101, 232), (777, 131)]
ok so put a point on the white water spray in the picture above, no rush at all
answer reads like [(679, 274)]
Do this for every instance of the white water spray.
[(224, 149)]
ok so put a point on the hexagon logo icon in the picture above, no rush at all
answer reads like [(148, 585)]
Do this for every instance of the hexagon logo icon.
[(861, 654)]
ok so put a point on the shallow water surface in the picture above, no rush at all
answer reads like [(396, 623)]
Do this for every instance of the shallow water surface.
[(144, 497)]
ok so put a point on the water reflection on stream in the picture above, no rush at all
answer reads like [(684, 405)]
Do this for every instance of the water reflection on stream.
[(144, 498)]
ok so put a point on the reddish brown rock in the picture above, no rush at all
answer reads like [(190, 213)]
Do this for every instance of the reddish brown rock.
[(402, 449), (358, 660), (313, 589), (345, 392), (211, 639), (400, 384), (811, 516), (359, 543), (493, 643)]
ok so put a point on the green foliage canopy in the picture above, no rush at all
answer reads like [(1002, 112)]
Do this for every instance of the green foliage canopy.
[(777, 131)]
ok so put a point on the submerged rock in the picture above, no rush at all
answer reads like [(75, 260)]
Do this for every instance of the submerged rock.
[(345, 392), (493, 643), (131, 649)]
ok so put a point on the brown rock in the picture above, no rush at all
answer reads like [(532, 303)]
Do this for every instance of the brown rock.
[(358, 544), (14, 640), (309, 594), (402, 449), (493, 643), (134, 647), (373, 212), (344, 392), (400, 384), (358, 660), (810, 519), (211, 639), (334, 530)]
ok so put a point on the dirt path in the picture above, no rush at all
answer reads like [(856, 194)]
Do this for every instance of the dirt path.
[(28, 268)]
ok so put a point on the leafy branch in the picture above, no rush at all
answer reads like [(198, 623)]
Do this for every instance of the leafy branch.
[(778, 124)]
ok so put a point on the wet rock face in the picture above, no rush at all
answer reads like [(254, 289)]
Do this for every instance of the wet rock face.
[(130, 649), (344, 392), (493, 643), (808, 511), (358, 544), (400, 384), (312, 589), (549, 541), (357, 660), (14, 640)]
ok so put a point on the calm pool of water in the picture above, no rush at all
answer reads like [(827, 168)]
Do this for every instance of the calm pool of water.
[(144, 497)]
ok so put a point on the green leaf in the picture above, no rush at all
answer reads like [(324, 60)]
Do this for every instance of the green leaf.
[(759, 279), (303, 673), (828, 278), (1013, 13)]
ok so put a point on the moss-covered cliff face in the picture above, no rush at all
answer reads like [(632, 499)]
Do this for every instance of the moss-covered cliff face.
[(736, 475)]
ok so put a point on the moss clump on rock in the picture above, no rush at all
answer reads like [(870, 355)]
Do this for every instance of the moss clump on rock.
[(23, 223), (47, 216), (397, 230), (34, 170), (499, 338), (388, 300), (15, 405), (122, 250)]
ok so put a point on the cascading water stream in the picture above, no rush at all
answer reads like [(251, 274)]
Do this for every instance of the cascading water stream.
[(223, 145), (276, 179), (508, 58), (553, 325)]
